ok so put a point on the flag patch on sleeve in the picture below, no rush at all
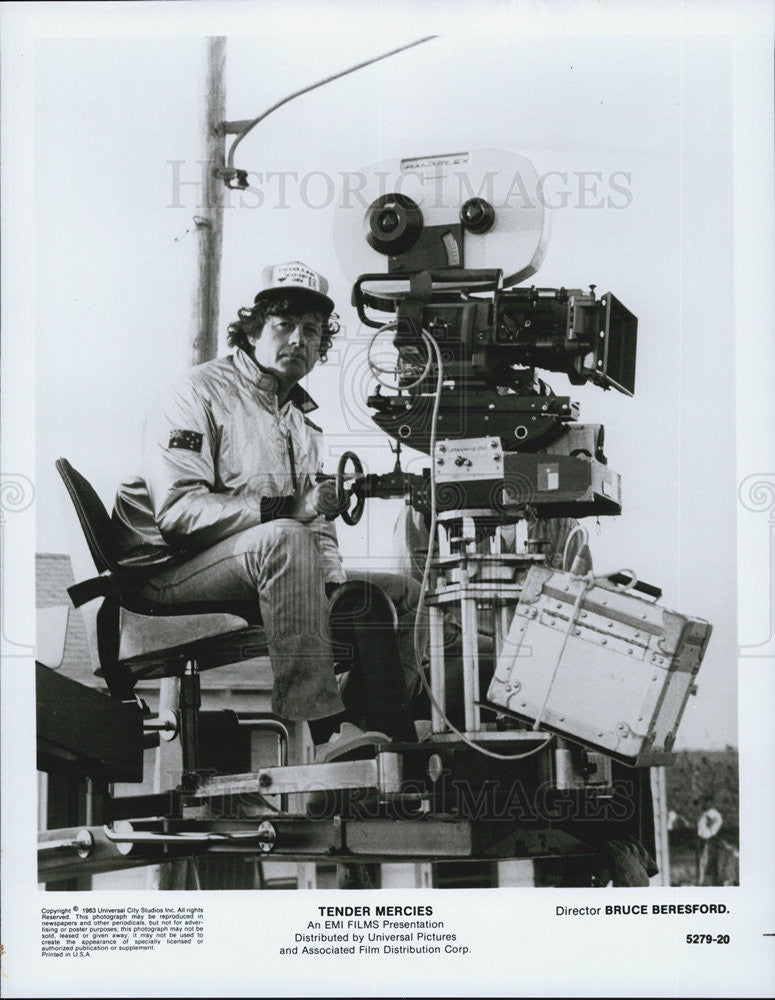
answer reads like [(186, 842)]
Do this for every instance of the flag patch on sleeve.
[(190, 440)]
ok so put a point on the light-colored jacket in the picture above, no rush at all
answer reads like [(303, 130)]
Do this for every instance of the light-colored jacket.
[(214, 447)]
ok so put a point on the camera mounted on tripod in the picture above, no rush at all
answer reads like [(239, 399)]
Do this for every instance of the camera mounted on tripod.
[(438, 252)]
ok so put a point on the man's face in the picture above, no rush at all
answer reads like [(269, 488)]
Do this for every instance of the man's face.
[(287, 346)]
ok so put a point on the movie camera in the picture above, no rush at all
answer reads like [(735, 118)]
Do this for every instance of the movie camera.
[(453, 235), (447, 239)]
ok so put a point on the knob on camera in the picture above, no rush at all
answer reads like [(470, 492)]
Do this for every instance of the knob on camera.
[(394, 223), (477, 215)]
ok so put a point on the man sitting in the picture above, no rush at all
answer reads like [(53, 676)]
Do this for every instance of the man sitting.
[(231, 504)]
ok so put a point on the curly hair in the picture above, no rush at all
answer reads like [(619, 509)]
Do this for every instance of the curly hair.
[(251, 319)]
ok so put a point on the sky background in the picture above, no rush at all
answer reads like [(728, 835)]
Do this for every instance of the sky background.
[(117, 126)]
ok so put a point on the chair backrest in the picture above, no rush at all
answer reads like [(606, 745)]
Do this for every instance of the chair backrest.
[(94, 518)]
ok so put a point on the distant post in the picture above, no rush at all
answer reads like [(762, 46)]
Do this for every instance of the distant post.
[(209, 224)]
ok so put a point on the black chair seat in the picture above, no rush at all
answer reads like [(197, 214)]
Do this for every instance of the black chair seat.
[(147, 638), (209, 652), (248, 610)]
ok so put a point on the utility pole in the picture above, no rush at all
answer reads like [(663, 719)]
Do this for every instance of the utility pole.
[(204, 346), (209, 224)]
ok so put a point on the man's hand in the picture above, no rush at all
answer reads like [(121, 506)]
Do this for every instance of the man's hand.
[(321, 499)]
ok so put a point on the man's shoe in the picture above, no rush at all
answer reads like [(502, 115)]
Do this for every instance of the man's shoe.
[(347, 742), (350, 743)]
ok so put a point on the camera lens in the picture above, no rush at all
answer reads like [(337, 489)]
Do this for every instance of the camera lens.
[(477, 215), (393, 224)]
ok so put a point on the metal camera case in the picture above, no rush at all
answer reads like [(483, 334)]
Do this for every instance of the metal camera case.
[(599, 665)]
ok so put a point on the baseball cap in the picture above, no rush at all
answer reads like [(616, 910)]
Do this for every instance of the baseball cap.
[(278, 279)]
